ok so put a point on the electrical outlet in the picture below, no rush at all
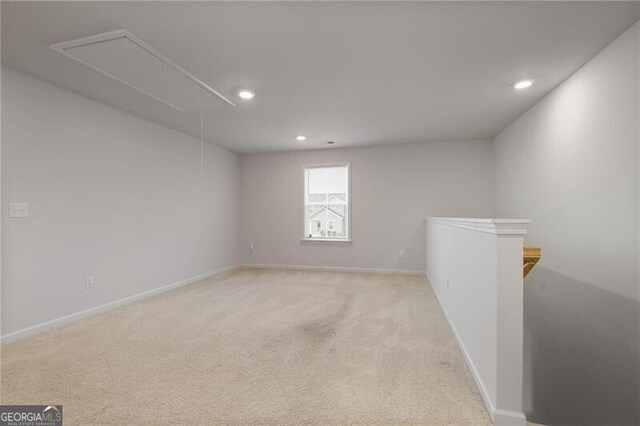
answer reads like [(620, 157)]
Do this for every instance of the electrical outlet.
[(89, 282), (400, 254), (252, 248)]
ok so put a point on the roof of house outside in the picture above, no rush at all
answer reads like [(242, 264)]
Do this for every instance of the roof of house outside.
[(322, 209), (332, 197)]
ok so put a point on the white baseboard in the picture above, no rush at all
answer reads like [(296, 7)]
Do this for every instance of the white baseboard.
[(498, 417), (332, 269), (39, 328)]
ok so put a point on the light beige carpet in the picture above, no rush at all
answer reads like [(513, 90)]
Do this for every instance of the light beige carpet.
[(255, 347)]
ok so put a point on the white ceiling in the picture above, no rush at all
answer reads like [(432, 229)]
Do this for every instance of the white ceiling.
[(357, 73)]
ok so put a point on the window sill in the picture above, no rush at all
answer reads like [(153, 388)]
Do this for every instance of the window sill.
[(326, 240)]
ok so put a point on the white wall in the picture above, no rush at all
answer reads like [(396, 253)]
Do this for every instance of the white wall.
[(110, 195), (571, 164), (393, 189), (0, 184), (637, 30)]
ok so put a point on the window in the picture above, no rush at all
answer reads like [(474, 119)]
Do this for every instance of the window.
[(326, 203)]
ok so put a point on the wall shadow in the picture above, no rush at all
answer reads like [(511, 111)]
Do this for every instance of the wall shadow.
[(581, 353)]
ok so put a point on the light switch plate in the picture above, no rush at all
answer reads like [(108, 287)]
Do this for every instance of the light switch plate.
[(18, 210)]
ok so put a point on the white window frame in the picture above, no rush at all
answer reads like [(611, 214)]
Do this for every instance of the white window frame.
[(347, 221)]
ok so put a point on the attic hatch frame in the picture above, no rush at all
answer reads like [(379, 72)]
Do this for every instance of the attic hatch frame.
[(66, 47)]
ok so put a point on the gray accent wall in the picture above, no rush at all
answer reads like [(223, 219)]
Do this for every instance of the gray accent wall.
[(581, 352), (571, 165)]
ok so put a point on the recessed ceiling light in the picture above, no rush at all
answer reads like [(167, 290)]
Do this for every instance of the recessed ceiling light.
[(246, 94), (301, 138), (522, 84)]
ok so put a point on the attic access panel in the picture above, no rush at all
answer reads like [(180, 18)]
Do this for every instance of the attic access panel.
[(127, 59)]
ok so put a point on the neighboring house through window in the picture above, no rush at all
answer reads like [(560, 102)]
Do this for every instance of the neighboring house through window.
[(326, 202)]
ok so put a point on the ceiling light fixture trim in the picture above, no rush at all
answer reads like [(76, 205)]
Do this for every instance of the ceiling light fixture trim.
[(523, 84), (246, 94)]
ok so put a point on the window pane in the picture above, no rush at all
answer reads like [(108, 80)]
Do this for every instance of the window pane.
[(327, 202), (327, 180)]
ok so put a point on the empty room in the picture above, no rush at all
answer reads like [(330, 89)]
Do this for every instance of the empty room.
[(319, 212)]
